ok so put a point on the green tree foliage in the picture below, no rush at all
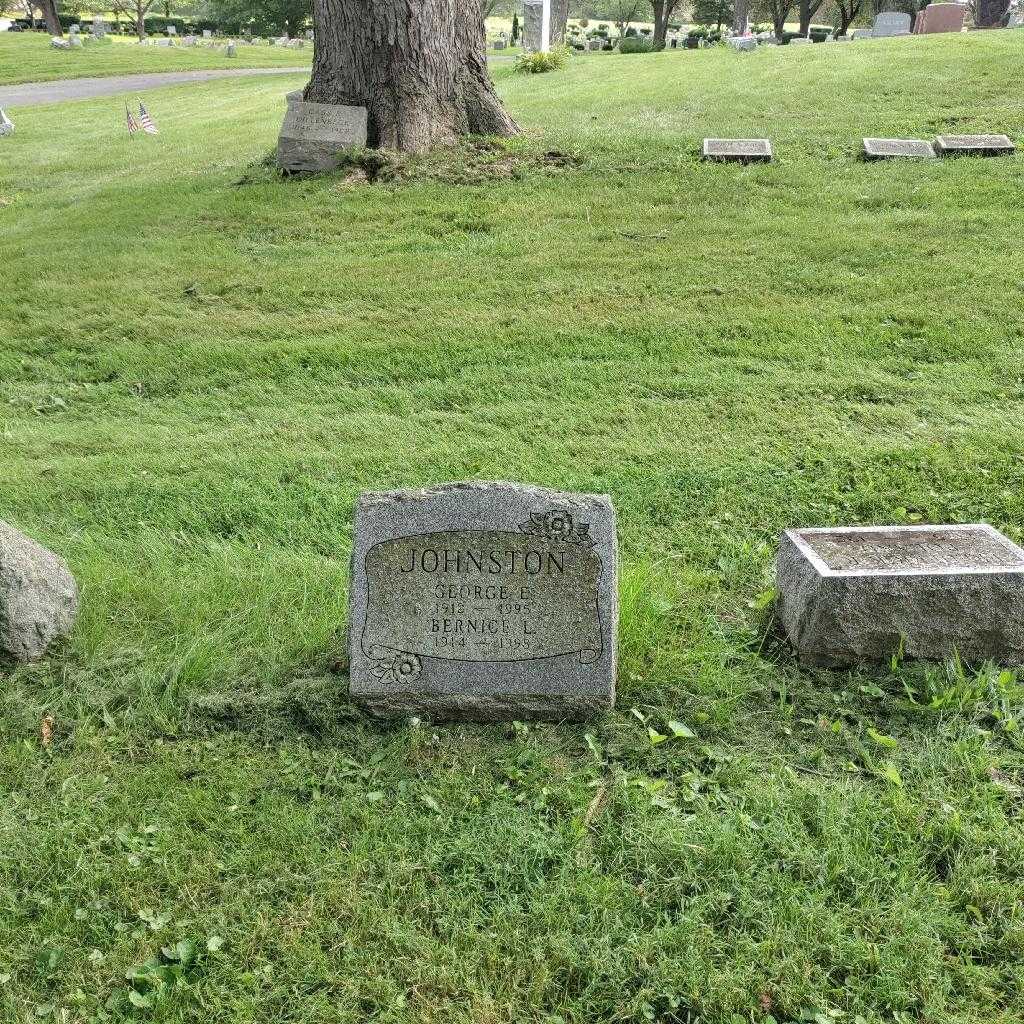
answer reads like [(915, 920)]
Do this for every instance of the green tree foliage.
[(265, 16), (713, 12)]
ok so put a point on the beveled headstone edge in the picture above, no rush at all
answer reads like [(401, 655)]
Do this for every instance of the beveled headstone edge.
[(797, 537), (868, 155), (765, 157)]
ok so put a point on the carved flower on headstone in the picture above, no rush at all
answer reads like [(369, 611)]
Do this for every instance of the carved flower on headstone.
[(403, 667), (558, 524)]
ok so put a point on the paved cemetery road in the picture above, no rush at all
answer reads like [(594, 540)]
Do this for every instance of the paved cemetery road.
[(31, 93), (86, 88)]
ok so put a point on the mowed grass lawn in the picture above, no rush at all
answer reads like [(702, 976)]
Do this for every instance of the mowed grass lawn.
[(202, 365), (28, 57)]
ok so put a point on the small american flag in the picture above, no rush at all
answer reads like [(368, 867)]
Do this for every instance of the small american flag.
[(133, 125), (146, 121)]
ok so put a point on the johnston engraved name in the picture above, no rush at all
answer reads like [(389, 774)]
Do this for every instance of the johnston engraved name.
[(492, 600)]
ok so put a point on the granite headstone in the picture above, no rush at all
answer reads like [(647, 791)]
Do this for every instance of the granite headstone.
[(314, 136), (853, 594), (891, 23), (738, 150), (484, 600), (895, 149), (974, 145)]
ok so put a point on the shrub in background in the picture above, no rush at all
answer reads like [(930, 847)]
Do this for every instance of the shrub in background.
[(537, 63), (635, 44)]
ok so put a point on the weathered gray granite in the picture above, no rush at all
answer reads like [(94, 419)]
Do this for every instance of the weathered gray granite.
[(314, 136), (891, 23), (974, 145), (38, 597), (741, 150), (850, 594), (484, 600), (898, 149)]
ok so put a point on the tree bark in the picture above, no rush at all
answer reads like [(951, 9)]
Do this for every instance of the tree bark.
[(847, 12), (990, 13), (49, 9), (418, 66), (663, 10), (740, 17), (559, 21), (808, 9)]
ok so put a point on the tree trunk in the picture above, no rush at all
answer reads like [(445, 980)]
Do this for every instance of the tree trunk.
[(808, 9), (846, 16), (49, 9), (559, 21), (740, 19), (990, 13), (420, 69), (662, 12)]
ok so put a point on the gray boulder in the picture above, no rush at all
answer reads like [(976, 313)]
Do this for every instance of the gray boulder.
[(38, 596)]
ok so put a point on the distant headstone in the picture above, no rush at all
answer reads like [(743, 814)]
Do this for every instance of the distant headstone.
[(744, 44), (893, 149), (60, 44), (974, 145), (189, 40), (172, 30), (207, 33), (536, 26), (499, 44), (861, 33), (1016, 19), (314, 136), (738, 150), (859, 593), (800, 41), (484, 600), (99, 27), (309, 34), (595, 44), (891, 23), (940, 18), (75, 41), (75, 29), (6, 124), (38, 597), (230, 50)]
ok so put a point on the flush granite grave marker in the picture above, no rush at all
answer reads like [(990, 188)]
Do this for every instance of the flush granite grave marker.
[(484, 600), (854, 594), (896, 149), (314, 136), (740, 150), (973, 145)]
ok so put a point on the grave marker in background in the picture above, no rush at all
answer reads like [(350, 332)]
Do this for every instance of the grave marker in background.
[(896, 149), (738, 150), (974, 145), (891, 23), (484, 600)]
